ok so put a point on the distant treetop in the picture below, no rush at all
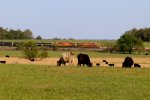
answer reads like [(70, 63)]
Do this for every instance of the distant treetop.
[(15, 34), (141, 34)]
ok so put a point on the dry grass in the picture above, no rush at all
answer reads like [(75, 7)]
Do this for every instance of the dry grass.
[(144, 62)]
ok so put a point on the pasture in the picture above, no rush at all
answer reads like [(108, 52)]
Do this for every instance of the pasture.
[(45, 82), (16, 57), (22, 79)]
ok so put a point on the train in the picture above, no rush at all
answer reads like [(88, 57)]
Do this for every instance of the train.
[(55, 44)]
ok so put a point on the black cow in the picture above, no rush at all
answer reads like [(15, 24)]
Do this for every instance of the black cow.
[(2, 62), (97, 64), (7, 56), (61, 61), (137, 65), (128, 62), (111, 65), (104, 61), (84, 59)]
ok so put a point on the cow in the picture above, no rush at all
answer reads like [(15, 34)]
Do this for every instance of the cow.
[(128, 62), (61, 61), (2, 62), (111, 65), (104, 61), (97, 64), (7, 56), (84, 59), (137, 65), (66, 57)]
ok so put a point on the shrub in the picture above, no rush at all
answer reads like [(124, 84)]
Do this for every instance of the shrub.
[(30, 50), (43, 54)]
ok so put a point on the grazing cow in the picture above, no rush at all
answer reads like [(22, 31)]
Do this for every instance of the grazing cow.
[(84, 59), (66, 57), (7, 56), (146, 54), (2, 62), (111, 65), (128, 62), (104, 61), (61, 61), (97, 64), (137, 65)]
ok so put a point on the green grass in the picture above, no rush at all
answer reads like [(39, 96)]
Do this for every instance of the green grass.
[(30, 82), (18, 53), (147, 44)]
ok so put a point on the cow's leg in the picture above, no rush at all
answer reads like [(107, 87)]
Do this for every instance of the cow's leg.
[(79, 64), (58, 63), (64, 63)]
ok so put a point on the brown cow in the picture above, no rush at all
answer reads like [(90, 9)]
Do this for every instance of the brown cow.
[(67, 57)]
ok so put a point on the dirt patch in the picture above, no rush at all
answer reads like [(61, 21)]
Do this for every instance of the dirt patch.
[(144, 62)]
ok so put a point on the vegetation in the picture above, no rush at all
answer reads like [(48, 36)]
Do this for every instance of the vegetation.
[(43, 54), (56, 54), (31, 51), (30, 82), (38, 37), (141, 34), (127, 42), (15, 34)]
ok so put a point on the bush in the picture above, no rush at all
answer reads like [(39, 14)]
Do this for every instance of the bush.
[(30, 50), (43, 54)]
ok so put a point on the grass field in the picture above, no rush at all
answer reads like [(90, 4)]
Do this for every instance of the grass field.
[(33, 82), (16, 57), (18, 53)]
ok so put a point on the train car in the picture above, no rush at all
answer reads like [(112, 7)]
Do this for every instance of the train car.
[(9, 44), (64, 44), (44, 44), (87, 45)]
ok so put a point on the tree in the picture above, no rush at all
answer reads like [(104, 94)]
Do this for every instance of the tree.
[(15, 34), (3, 33), (38, 37), (127, 42), (142, 34), (28, 34), (30, 50)]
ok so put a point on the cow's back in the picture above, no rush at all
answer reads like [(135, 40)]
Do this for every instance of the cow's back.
[(83, 59), (128, 62), (68, 57)]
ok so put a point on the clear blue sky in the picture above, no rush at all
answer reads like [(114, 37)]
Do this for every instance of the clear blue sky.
[(79, 19)]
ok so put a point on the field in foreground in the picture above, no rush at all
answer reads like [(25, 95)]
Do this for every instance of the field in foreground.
[(43, 82)]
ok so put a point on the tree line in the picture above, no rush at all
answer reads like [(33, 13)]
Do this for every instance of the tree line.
[(133, 39), (141, 34), (15, 34)]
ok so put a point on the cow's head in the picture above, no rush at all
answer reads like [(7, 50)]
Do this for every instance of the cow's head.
[(58, 63)]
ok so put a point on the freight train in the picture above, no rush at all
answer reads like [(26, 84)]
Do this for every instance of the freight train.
[(55, 44)]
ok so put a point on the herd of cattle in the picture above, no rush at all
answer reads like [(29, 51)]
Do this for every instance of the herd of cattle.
[(84, 59)]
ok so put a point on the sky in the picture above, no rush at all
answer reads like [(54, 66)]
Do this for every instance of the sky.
[(78, 19)]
